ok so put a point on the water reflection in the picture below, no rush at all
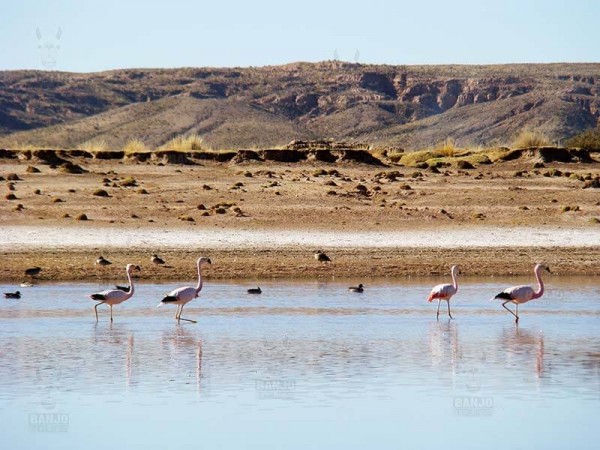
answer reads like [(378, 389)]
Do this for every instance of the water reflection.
[(276, 365)]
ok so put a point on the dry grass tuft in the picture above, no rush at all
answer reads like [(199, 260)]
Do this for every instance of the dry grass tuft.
[(448, 148), (135, 146), (185, 143), (94, 145), (528, 138)]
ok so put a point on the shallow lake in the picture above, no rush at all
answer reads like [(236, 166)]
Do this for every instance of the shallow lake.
[(304, 365)]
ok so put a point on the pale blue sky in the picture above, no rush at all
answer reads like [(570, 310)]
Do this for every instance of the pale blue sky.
[(113, 34)]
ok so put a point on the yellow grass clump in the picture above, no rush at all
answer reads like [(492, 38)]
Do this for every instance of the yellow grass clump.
[(184, 143), (135, 146), (94, 145), (447, 148), (528, 138)]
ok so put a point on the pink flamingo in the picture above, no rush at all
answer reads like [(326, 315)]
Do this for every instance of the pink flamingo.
[(522, 294), (445, 291), (115, 296), (183, 295)]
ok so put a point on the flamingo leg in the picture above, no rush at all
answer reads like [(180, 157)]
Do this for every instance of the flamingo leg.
[(96, 309), (181, 318), (111, 319), (449, 309), (178, 312), (517, 315), (438, 309), (506, 308)]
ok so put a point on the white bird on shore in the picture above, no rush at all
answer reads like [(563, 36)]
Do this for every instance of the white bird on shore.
[(102, 261), (321, 257), (445, 291), (183, 295), (522, 294), (157, 260), (115, 296), (27, 284)]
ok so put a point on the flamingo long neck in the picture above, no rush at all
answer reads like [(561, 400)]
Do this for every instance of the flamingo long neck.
[(454, 281), (540, 289), (131, 287), (199, 285)]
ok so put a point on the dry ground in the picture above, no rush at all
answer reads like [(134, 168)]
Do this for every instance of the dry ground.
[(299, 196)]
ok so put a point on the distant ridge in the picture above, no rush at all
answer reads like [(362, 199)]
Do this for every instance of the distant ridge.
[(408, 106)]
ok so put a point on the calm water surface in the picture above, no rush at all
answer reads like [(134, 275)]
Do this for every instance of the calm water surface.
[(304, 365)]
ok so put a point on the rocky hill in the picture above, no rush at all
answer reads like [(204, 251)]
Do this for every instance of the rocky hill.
[(409, 106)]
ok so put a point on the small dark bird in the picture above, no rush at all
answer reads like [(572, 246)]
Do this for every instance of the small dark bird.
[(12, 295), (33, 271), (157, 260), (358, 288), (255, 291), (321, 257), (102, 261)]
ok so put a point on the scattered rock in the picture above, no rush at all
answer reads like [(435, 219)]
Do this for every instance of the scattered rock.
[(13, 177), (69, 167), (32, 169), (128, 182), (464, 165), (10, 197), (100, 193), (81, 217)]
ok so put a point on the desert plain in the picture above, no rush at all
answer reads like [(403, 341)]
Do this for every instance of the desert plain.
[(259, 217)]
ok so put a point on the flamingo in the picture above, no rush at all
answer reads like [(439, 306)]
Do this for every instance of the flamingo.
[(183, 295), (115, 296), (522, 294), (445, 291), (360, 288)]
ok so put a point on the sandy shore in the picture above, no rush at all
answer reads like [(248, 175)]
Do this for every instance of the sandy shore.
[(69, 253)]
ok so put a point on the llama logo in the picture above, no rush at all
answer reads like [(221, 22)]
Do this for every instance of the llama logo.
[(48, 47), (336, 55)]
